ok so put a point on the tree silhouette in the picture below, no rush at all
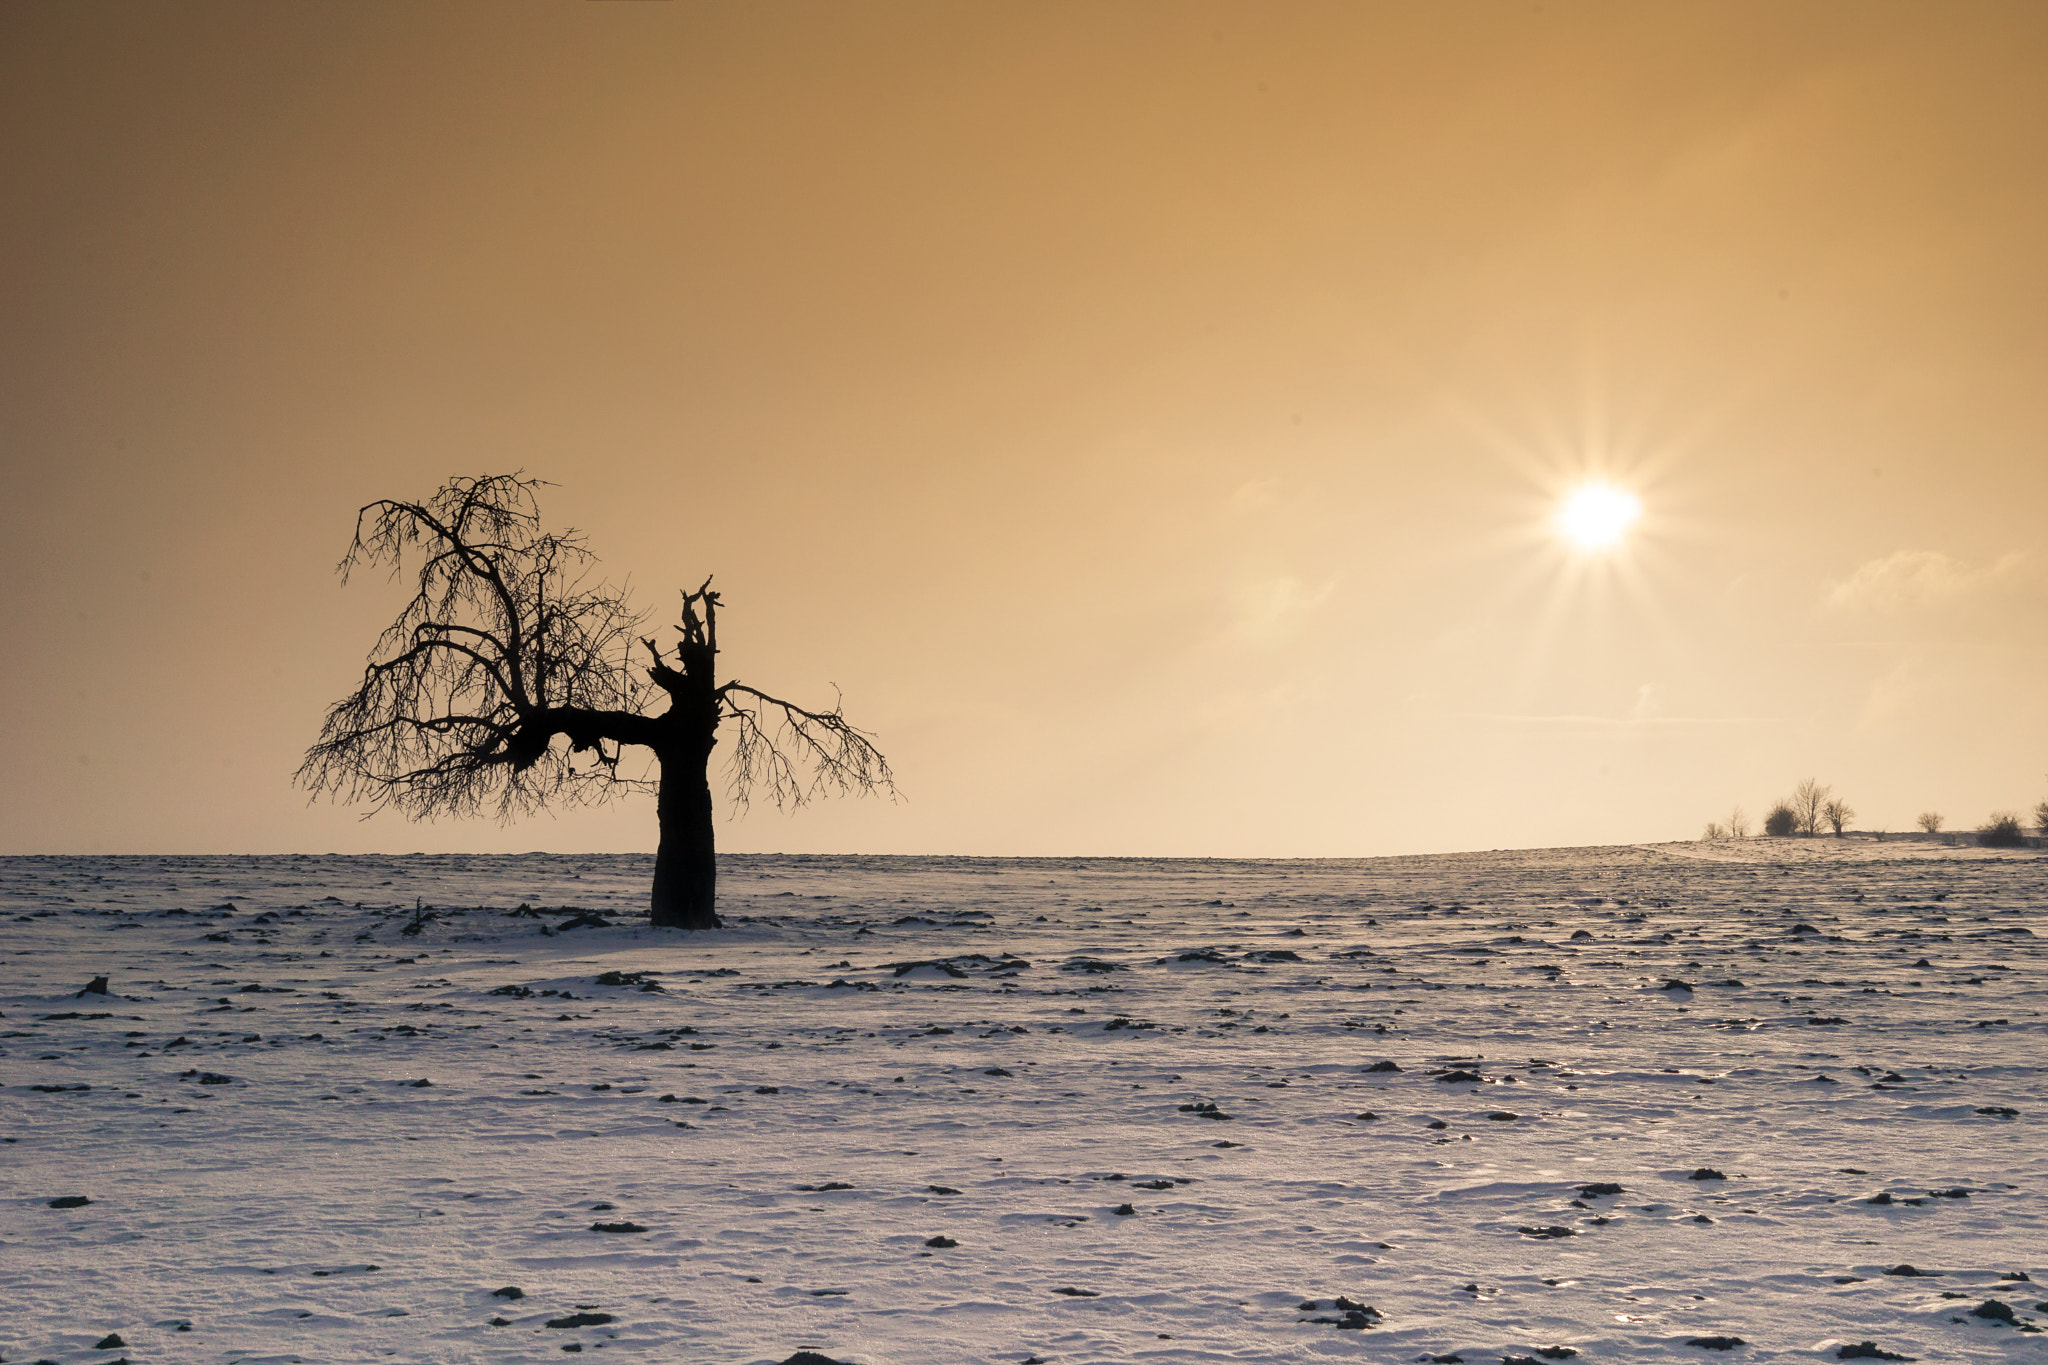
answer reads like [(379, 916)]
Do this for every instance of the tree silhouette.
[(1838, 813), (1809, 801), (2002, 830), (506, 648)]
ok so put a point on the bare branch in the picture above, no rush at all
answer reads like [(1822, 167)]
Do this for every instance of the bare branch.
[(777, 755), (503, 648)]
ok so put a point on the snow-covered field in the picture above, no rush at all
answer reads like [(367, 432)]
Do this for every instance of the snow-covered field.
[(910, 1111)]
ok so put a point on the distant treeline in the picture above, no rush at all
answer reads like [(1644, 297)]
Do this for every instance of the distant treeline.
[(1813, 808)]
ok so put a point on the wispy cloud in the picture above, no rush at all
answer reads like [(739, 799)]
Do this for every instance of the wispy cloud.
[(1908, 581), (1632, 721), (1941, 632), (1271, 609)]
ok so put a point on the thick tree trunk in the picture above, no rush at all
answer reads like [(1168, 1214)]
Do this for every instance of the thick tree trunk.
[(686, 864)]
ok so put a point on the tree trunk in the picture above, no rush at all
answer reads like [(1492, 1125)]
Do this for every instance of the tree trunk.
[(686, 864)]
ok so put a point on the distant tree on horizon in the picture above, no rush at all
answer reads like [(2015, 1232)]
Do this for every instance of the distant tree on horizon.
[(1738, 823), (1809, 800), (506, 666), (1781, 820), (1930, 821), (2002, 830), (2041, 819), (1838, 814)]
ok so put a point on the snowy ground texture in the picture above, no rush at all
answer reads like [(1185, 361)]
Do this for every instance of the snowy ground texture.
[(922, 1111)]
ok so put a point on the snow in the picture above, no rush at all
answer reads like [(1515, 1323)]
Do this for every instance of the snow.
[(321, 1204)]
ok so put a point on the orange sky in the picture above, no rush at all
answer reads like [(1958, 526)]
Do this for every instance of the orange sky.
[(1146, 414)]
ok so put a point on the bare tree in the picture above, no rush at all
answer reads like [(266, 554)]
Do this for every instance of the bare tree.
[(2041, 819), (1713, 834), (1838, 815), (1738, 824), (506, 648), (1809, 799), (1930, 821)]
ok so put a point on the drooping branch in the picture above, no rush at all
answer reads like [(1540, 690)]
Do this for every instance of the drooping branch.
[(795, 753), (503, 648)]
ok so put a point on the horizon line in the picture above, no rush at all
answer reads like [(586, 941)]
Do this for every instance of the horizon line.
[(1874, 836)]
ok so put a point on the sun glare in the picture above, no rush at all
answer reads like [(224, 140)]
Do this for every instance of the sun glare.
[(1597, 516)]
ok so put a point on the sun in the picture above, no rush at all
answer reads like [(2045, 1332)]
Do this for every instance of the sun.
[(1596, 516)]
